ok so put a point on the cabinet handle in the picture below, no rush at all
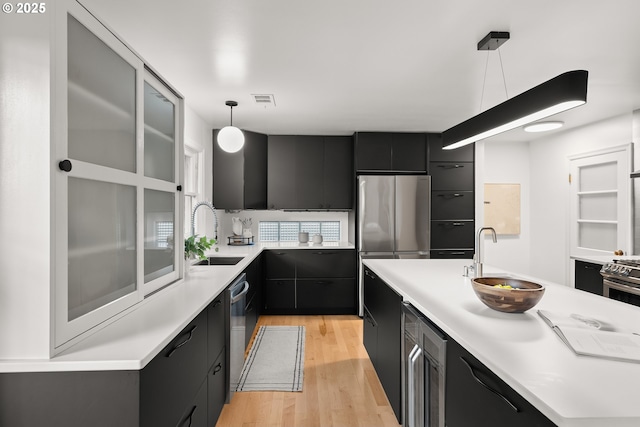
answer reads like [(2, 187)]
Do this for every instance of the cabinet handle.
[(456, 166), (217, 303), (451, 195), (65, 165), (451, 224), (217, 369), (483, 384), (415, 353), (324, 253), (591, 267), (457, 253), (190, 417), (173, 350), (322, 282), (370, 274)]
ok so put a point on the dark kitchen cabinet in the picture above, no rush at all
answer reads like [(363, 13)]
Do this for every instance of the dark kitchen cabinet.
[(240, 179), (255, 277), (217, 389), (171, 390), (382, 335), (475, 396), (391, 152), (309, 172), (588, 278), (310, 281), (169, 383), (452, 200)]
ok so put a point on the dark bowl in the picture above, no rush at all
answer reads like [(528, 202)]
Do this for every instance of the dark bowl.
[(523, 295)]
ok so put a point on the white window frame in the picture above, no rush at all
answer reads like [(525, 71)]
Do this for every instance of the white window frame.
[(197, 177)]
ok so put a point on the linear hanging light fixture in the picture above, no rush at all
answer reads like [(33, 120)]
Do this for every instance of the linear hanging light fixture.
[(561, 93)]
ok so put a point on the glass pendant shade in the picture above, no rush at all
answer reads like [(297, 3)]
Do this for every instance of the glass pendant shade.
[(230, 139)]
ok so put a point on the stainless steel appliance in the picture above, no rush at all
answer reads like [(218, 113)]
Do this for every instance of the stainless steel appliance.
[(621, 280), (394, 213), (423, 370), (236, 297)]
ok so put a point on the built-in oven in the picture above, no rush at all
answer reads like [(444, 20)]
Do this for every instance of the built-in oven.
[(621, 281), (423, 370)]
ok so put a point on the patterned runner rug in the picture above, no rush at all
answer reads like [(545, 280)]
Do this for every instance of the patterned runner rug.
[(275, 361)]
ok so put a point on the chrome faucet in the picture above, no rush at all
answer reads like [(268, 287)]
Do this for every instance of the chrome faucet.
[(477, 257), (215, 217)]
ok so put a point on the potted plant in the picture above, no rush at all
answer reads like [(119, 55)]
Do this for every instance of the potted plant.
[(195, 246)]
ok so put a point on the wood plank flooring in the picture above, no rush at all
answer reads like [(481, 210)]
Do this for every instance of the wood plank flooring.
[(341, 388)]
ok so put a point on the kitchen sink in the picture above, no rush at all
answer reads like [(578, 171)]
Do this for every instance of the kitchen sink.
[(221, 260)]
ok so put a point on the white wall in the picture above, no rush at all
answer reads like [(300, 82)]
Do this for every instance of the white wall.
[(25, 202), (546, 160), (507, 163)]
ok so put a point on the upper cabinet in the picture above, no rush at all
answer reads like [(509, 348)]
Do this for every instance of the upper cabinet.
[(391, 152), (310, 172), (239, 179), (117, 144)]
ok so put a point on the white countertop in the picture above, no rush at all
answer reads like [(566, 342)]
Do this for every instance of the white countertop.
[(602, 259), (570, 390), (130, 342)]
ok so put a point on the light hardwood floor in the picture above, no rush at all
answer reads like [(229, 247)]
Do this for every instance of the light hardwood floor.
[(340, 389)]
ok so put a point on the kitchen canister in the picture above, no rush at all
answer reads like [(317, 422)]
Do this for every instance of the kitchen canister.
[(317, 238), (303, 237)]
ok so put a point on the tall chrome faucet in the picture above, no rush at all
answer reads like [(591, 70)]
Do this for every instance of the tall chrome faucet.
[(477, 257), (215, 217)]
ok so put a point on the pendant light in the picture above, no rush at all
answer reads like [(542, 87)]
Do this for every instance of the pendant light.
[(561, 93), (230, 138)]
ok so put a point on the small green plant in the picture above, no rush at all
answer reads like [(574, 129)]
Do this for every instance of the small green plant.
[(194, 246)]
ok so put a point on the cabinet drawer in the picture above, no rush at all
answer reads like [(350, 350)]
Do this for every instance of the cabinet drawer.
[(326, 296), (452, 234), (280, 295), (325, 263), (196, 413), (172, 379), (472, 388), (451, 176), (588, 277), (280, 264), (215, 328), (452, 205), (217, 389)]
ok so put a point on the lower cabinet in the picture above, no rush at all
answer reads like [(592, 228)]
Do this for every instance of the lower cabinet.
[(382, 336), (475, 396), (178, 387), (588, 277), (310, 281), (170, 382), (217, 389)]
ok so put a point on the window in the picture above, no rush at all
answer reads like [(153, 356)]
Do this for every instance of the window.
[(192, 183), (287, 231)]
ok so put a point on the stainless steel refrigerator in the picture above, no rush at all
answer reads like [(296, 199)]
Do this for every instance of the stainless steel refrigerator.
[(394, 213)]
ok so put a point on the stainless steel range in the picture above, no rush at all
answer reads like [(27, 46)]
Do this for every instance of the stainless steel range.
[(621, 280)]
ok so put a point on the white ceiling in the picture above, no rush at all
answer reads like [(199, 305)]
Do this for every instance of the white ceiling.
[(338, 66)]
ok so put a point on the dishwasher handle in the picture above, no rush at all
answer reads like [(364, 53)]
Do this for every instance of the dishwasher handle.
[(237, 297)]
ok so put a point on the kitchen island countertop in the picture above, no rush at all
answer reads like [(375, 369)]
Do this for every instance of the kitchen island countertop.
[(570, 390)]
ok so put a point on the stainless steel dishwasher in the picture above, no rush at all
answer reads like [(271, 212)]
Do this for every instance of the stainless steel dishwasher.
[(423, 370), (236, 297)]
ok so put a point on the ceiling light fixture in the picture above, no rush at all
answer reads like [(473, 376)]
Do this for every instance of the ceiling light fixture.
[(543, 126), (561, 93), (230, 138)]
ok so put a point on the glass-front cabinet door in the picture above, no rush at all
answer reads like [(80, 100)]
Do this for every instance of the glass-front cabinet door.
[(116, 129)]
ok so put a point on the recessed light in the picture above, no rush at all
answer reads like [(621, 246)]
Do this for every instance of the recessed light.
[(543, 126)]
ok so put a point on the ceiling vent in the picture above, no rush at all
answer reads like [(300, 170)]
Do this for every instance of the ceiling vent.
[(266, 100)]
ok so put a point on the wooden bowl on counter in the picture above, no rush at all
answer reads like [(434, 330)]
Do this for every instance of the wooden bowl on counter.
[(522, 295)]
